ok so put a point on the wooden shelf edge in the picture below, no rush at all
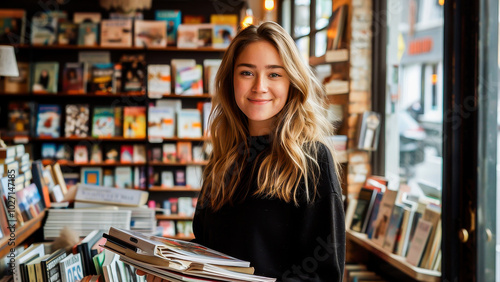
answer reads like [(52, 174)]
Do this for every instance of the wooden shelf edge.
[(398, 262), (138, 48), (156, 163), (174, 189), (51, 162), (22, 232)]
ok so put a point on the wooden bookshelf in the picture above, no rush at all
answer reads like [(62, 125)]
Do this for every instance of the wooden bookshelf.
[(174, 189), (153, 163), (21, 233), (173, 217), (339, 99), (67, 163), (200, 96), (122, 48), (175, 139), (76, 139), (63, 94), (417, 273)]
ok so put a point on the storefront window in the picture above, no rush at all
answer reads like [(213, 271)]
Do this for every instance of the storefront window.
[(414, 95)]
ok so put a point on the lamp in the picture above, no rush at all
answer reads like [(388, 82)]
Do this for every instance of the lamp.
[(269, 5), (8, 64), (247, 15)]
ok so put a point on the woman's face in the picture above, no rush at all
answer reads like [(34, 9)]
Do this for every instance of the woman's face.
[(260, 85)]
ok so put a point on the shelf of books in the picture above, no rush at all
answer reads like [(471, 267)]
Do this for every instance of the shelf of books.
[(173, 217), (22, 233), (173, 189), (153, 163), (417, 273), (120, 48)]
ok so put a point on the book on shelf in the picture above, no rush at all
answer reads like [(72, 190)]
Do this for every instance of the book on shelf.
[(227, 19), (167, 179), (366, 198), (210, 68), (81, 154), (186, 207), (432, 214), (21, 115), (373, 217), (86, 17), (390, 241), (180, 177), (184, 228), (134, 122), (45, 76), (88, 34), (336, 27), (123, 177), (139, 177), (112, 153), (189, 124), (184, 152), (194, 176), (48, 121), (169, 153), (118, 115), (95, 154), (151, 34), (111, 196), (67, 33), (59, 178), (116, 33), (155, 154), (368, 131), (50, 266), (383, 217), (161, 122), (43, 29), (191, 19), (133, 77), (91, 175), (18, 84), (126, 154), (73, 81), (194, 35), (189, 80), (77, 120), (102, 75), (223, 34), (173, 20), (159, 81), (198, 154), (419, 242), (71, 268), (108, 177), (12, 26), (406, 226), (103, 122), (168, 228), (139, 153)]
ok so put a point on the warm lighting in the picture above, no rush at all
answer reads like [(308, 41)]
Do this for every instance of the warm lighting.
[(248, 19), (269, 5), (8, 64), (441, 2), (126, 6), (434, 79)]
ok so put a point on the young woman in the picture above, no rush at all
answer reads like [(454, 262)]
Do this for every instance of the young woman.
[(270, 192)]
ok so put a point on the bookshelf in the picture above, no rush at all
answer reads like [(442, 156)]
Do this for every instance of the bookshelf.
[(173, 217), (173, 189), (22, 233), (398, 262)]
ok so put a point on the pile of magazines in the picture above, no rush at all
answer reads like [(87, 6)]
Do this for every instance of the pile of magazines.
[(176, 260)]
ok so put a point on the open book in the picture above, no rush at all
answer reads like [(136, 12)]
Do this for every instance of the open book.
[(177, 260)]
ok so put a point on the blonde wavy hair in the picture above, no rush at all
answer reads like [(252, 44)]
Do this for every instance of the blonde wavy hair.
[(299, 128)]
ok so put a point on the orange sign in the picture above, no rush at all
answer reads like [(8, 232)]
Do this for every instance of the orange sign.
[(419, 46)]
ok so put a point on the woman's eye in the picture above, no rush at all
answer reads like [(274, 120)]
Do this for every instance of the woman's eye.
[(246, 73), (274, 75)]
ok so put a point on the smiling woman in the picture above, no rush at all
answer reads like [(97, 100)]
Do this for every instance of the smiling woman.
[(270, 192)]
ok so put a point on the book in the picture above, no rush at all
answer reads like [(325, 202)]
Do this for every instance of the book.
[(116, 33), (48, 121), (374, 214), (20, 115), (383, 217), (419, 242), (86, 17), (169, 153), (198, 154), (151, 34), (59, 178), (193, 19), (336, 26), (77, 120), (112, 153), (368, 130), (177, 65), (12, 26), (88, 34), (139, 154), (91, 175), (134, 122), (180, 177), (123, 177), (111, 196), (228, 19), (184, 228), (189, 80), (118, 115), (73, 78), (45, 77), (366, 198), (108, 178), (43, 29), (126, 154), (96, 154), (194, 176), (103, 122), (18, 84), (189, 124), (393, 228), (432, 214), (50, 266), (71, 268), (210, 68), (159, 81), (102, 76), (184, 152), (187, 36), (67, 33), (168, 227), (161, 122), (167, 179), (173, 20), (155, 154), (81, 154), (223, 34), (133, 77)]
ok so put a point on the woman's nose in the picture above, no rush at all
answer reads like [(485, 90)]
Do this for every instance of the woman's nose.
[(260, 85)]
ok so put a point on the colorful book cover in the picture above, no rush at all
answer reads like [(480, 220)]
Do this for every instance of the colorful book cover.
[(205, 35), (152, 34), (193, 19), (168, 227), (134, 122), (123, 177), (167, 179), (223, 34), (173, 19), (116, 33), (184, 152), (73, 78), (67, 33), (12, 26), (127, 154), (189, 81), (139, 153), (103, 122), (48, 121), (112, 153), (45, 77), (21, 83), (161, 122), (64, 152), (102, 78), (155, 154), (20, 118), (48, 150), (43, 29), (187, 36), (88, 34), (91, 175), (133, 77), (189, 124), (118, 121), (169, 153), (393, 228), (86, 17), (77, 120), (373, 216), (81, 155), (96, 154), (229, 19), (159, 81), (108, 179)]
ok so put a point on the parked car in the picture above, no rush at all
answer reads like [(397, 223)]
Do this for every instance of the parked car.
[(411, 144)]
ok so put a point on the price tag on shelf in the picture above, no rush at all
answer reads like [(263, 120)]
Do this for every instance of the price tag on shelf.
[(155, 140), (21, 140)]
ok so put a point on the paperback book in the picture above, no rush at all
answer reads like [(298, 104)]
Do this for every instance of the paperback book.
[(88, 34), (77, 120), (45, 76), (189, 80), (102, 78), (151, 34), (173, 20), (43, 29), (67, 33), (134, 122), (159, 81), (103, 122), (21, 83), (223, 34), (133, 77), (73, 78), (48, 121), (161, 122), (189, 124), (116, 33), (12, 26)]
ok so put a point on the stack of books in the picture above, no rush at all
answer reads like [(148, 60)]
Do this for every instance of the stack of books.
[(176, 260)]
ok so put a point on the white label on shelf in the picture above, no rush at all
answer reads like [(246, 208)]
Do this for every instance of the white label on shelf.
[(155, 140), (21, 140)]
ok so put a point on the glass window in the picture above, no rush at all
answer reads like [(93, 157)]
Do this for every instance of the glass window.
[(414, 95), (302, 17)]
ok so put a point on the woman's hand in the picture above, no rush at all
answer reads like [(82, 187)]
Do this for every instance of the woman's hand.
[(149, 277)]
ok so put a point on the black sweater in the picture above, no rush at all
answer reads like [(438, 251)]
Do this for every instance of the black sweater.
[(305, 243)]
